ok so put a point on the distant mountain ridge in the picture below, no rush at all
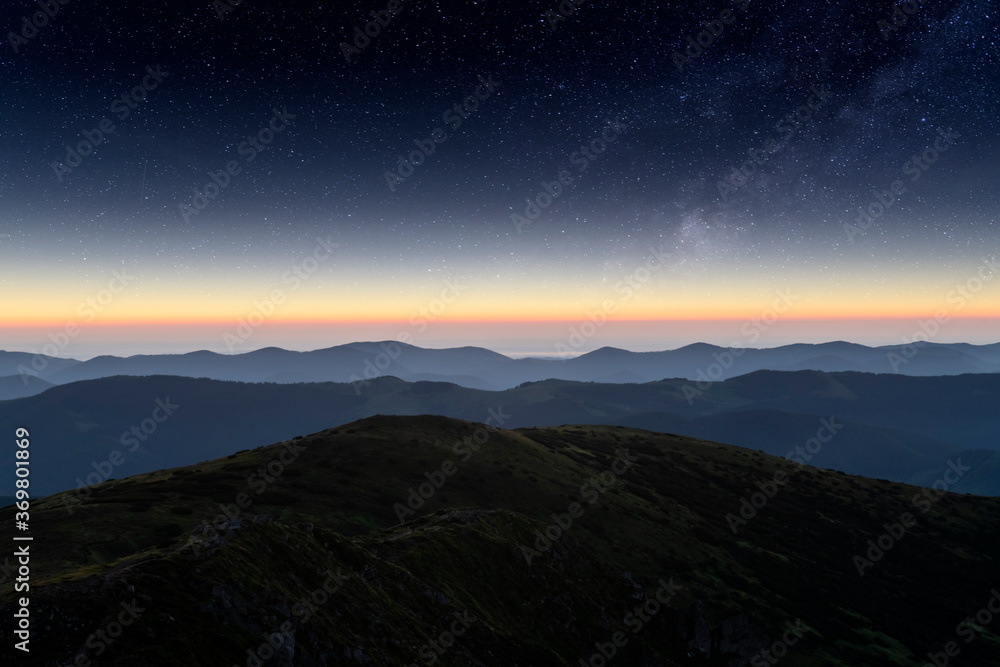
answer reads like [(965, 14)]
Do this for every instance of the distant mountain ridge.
[(895, 427), (479, 368)]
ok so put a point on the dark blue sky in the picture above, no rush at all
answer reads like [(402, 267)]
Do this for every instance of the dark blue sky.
[(666, 181)]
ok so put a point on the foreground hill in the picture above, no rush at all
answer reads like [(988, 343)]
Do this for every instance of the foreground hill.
[(539, 546), (893, 427)]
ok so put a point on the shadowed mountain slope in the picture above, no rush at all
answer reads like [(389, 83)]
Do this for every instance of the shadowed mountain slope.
[(319, 531)]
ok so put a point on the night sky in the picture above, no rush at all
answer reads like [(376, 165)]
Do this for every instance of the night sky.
[(650, 229)]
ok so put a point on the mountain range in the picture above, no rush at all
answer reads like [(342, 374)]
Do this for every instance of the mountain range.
[(480, 368), (906, 429)]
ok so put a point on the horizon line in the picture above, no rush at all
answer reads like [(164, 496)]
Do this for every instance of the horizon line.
[(542, 355)]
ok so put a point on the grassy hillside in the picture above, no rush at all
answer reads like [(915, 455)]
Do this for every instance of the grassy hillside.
[(213, 578)]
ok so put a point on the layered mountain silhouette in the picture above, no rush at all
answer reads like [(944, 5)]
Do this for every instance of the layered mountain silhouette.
[(906, 429), (480, 368), (429, 540)]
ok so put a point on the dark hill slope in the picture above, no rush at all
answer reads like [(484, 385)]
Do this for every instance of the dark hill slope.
[(212, 587)]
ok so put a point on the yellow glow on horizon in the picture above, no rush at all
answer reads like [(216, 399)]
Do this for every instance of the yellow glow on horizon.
[(186, 321), (680, 299)]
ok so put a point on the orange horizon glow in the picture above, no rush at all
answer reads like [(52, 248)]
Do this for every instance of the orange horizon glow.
[(109, 323), (151, 300)]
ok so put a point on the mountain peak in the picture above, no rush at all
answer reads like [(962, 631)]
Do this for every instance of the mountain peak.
[(606, 351)]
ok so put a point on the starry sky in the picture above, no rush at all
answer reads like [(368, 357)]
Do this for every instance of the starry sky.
[(496, 173)]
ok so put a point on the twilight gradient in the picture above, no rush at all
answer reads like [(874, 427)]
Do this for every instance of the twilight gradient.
[(645, 228)]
